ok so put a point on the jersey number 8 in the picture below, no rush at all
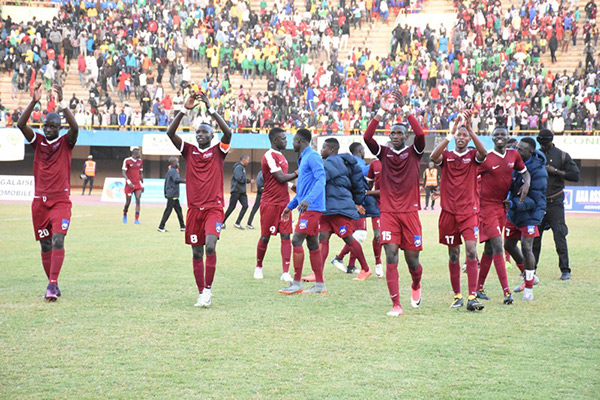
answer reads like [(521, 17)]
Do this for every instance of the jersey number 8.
[(194, 238)]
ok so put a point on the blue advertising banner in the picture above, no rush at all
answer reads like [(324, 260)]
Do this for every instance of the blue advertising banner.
[(114, 191), (582, 198)]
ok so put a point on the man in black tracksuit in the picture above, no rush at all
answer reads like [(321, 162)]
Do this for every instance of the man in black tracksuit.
[(260, 186), (172, 181), (560, 167), (238, 191)]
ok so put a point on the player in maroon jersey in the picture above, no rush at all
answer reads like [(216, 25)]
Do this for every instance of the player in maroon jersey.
[(204, 175), (400, 199), (133, 172), (460, 204), (275, 198), (51, 206), (496, 177)]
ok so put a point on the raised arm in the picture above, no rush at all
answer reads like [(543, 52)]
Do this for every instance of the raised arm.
[(386, 104), (419, 133), (22, 123), (481, 150), (226, 139), (190, 103), (73, 132), (436, 154)]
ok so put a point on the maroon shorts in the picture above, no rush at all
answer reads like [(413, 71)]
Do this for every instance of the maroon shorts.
[(359, 224), (403, 229), (50, 215), (514, 232), (200, 223), (452, 227), (338, 224), (491, 223), (376, 222), (271, 222), (308, 223), (136, 186)]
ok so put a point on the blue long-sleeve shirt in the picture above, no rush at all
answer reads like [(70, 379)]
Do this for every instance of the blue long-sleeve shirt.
[(310, 185), (363, 165)]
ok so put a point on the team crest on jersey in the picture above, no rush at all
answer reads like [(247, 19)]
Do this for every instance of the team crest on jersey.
[(476, 229), (303, 223), (417, 241), (511, 164), (219, 225), (343, 229), (403, 156), (531, 229), (466, 160), (65, 224), (207, 155)]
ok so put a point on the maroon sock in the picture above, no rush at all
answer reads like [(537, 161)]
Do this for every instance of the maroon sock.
[(199, 274), (377, 250), (211, 267), (521, 268), (261, 249), (454, 268), (501, 271), (529, 284), (357, 251), (316, 264), (286, 254), (472, 276), (506, 256), (137, 215), (47, 262), (352, 260), (324, 251), (416, 276), (345, 250), (391, 276), (58, 256), (486, 264), (124, 213), (298, 262)]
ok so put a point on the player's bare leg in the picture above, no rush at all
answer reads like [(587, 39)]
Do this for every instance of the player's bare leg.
[(298, 259), (57, 257), (416, 271), (138, 205), (391, 276), (126, 208)]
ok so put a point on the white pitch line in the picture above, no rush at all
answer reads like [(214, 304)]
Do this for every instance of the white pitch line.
[(27, 219)]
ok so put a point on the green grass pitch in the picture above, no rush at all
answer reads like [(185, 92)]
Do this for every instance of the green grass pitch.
[(126, 326)]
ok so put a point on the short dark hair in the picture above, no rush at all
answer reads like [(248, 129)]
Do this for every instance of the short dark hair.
[(274, 132), (529, 141), (354, 147), (333, 143), (304, 134), (244, 156)]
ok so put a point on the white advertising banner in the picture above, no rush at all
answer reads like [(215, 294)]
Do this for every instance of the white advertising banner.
[(16, 187), (12, 145), (161, 145), (579, 147)]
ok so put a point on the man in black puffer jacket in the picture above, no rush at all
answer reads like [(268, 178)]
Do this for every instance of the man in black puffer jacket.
[(344, 195), (525, 216)]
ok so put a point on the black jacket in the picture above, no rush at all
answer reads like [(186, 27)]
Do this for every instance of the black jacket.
[(563, 162), (531, 211), (238, 179), (172, 181)]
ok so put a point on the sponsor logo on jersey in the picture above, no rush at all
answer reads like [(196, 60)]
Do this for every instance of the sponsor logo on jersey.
[(303, 223), (417, 241), (219, 225), (207, 155), (466, 160), (65, 224), (343, 229)]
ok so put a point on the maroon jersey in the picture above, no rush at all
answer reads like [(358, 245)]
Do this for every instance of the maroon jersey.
[(51, 165), (399, 182), (274, 193), (374, 174), (458, 188), (496, 176), (133, 169), (204, 175)]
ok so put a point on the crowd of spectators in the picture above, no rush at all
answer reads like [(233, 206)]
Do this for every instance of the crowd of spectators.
[(131, 55)]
